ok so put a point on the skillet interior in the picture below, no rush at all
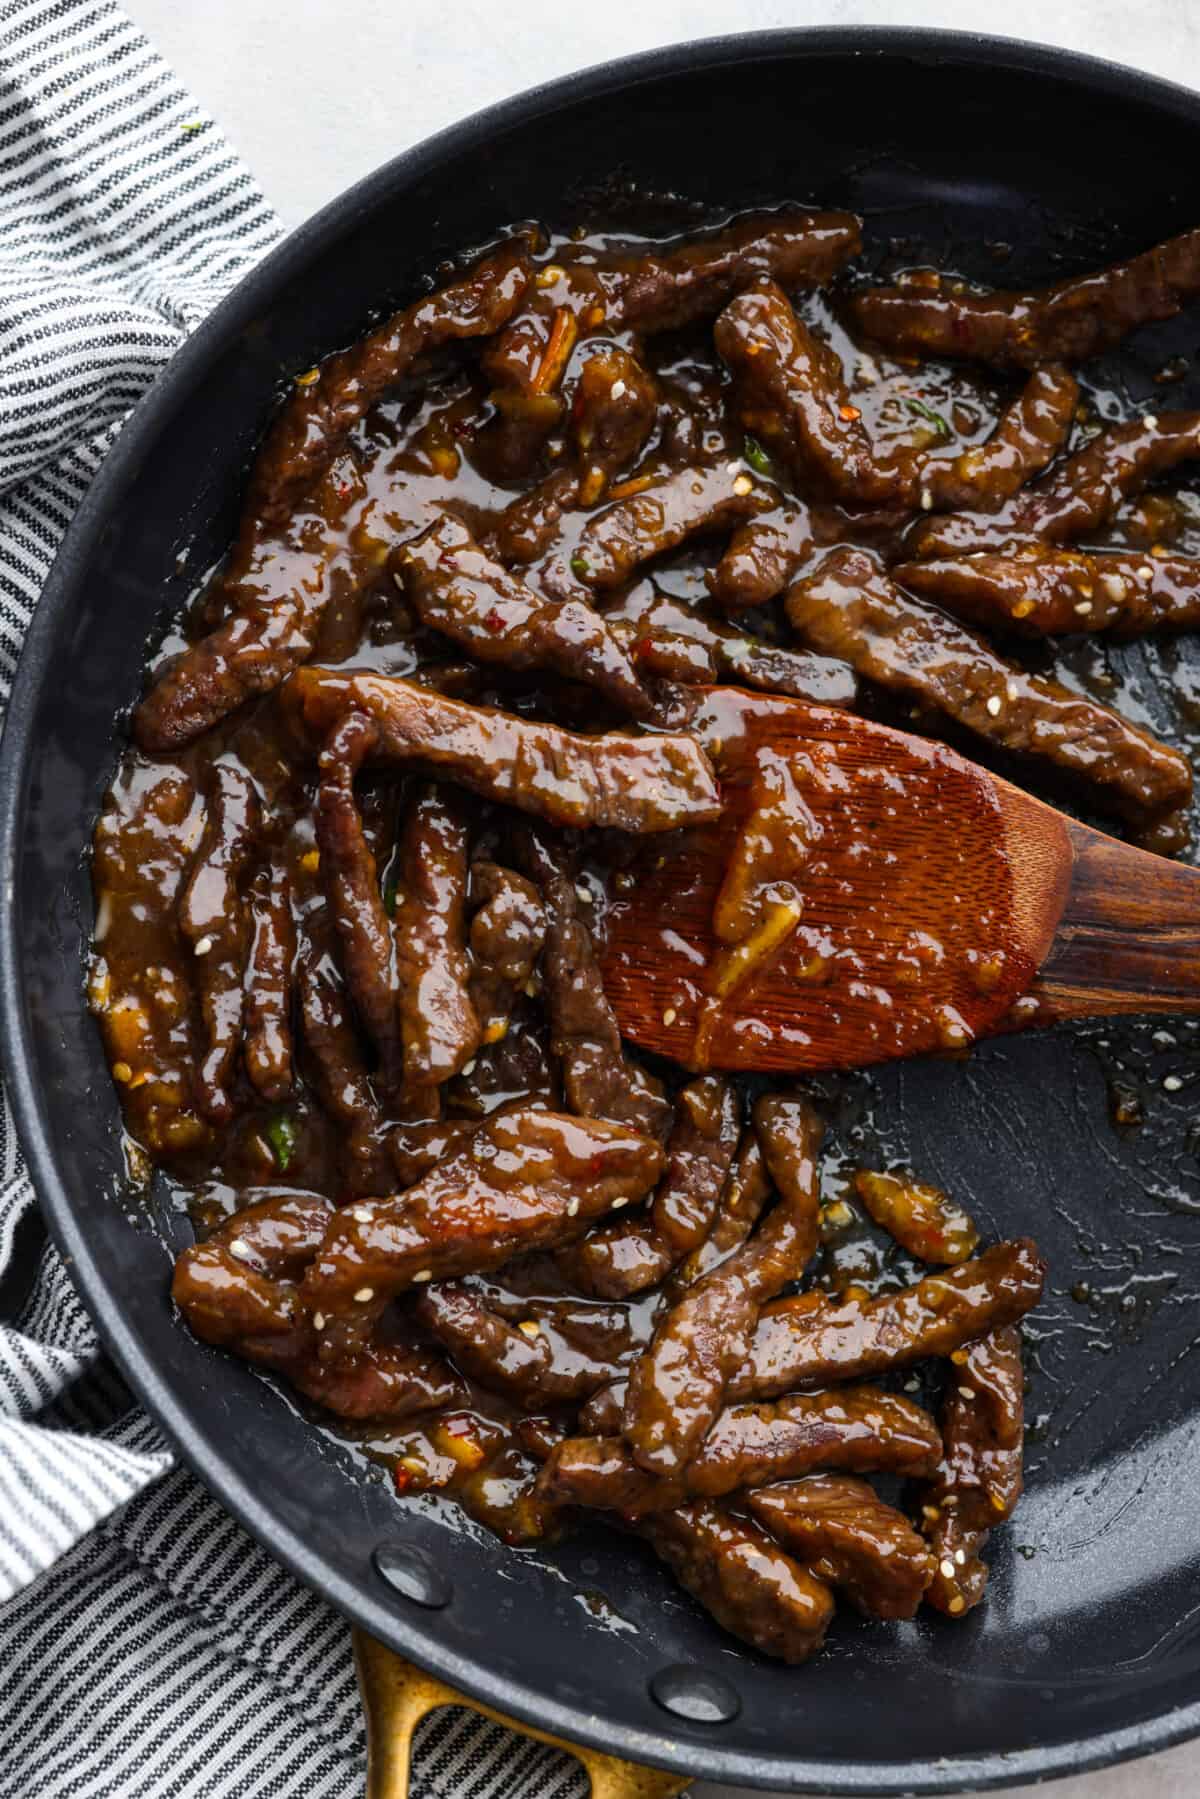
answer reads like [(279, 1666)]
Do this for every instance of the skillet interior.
[(1089, 1645)]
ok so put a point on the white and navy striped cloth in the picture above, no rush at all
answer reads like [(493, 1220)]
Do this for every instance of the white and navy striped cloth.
[(147, 1646)]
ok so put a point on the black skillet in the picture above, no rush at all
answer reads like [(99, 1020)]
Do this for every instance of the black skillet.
[(1088, 1648)]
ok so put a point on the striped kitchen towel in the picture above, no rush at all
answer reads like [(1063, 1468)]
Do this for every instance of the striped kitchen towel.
[(147, 1646)]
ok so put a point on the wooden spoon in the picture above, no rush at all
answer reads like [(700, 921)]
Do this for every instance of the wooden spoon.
[(939, 904)]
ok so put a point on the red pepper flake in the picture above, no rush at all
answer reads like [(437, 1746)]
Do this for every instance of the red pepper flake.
[(643, 647), (849, 412), (494, 620), (404, 1478)]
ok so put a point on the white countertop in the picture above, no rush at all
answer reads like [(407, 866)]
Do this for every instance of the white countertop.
[(311, 116)]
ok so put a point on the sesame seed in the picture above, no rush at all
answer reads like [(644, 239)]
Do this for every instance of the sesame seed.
[(423, 1274), (956, 1605), (398, 581), (318, 1321), (1083, 607), (946, 1569), (1011, 689), (618, 1203), (993, 705), (670, 1015), (1172, 1083), (364, 1294), (966, 1392), (618, 390), (743, 484), (241, 1250), (572, 1207), (469, 1067), (361, 1215), (926, 500), (960, 1556), (1151, 421), (203, 946)]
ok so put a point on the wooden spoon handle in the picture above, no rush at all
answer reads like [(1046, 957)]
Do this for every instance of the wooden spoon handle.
[(1129, 936)]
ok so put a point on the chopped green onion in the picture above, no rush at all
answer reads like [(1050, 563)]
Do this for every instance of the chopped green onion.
[(927, 412), (282, 1133), (391, 892), (756, 456), (581, 566)]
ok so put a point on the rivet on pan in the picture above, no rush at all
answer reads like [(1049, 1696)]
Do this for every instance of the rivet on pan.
[(695, 1694), (412, 1573)]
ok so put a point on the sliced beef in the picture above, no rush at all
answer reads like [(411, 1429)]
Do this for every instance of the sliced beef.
[(267, 1049), (455, 588), (638, 784), (334, 1051), (841, 1531), (686, 503), (1036, 589), (613, 412), (533, 1361), (859, 1429), (676, 1387), (364, 931), (1029, 435), (619, 1259), (936, 315), (599, 1079), (213, 920), (790, 393), (979, 1479), (762, 558), (507, 931), (440, 1026), (813, 1339), (850, 608), (752, 1588), (524, 1180), (666, 289)]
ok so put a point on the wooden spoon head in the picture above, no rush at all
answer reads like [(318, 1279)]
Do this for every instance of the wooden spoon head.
[(930, 897)]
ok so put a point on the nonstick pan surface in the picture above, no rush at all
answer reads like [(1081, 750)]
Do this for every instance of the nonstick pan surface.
[(1088, 1648)]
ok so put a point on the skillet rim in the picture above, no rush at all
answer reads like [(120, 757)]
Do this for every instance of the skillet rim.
[(186, 370)]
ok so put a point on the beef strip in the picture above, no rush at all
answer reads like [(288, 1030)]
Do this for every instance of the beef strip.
[(612, 414), (508, 929), (742, 1199), (668, 638), (860, 1429), (676, 1387), (840, 1530), (525, 1180), (1082, 495), (979, 1479), (850, 608), (532, 1362), (441, 1029), (620, 1259), (922, 1219), (212, 918), (455, 588), (1028, 436), (752, 1588), (238, 1290), (762, 557), (364, 931), (1037, 589), (599, 1080), (674, 507), (638, 784), (791, 394), (333, 1047), (935, 315), (413, 1149), (279, 583), (319, 415), (813, 1339), (267, 1045), (666, 289)]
